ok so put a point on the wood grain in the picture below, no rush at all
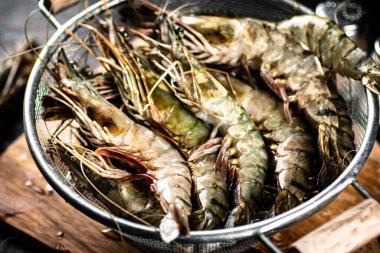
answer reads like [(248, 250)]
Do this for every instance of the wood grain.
[(28, 204), (356, 226), (57, 6)]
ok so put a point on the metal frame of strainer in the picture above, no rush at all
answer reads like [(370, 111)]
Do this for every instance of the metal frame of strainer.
[(258, 230)]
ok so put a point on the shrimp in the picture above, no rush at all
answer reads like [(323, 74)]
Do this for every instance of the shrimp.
[(292, 72), (210, 189), (292, 144), (133, 74), (117, 136), (345, 133), (242, 159), (335, 50), (187, 131), (132, 198)]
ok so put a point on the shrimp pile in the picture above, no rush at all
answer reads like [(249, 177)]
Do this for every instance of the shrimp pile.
[(205, 122)]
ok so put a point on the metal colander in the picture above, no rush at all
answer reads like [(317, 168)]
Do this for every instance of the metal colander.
[(362, 103)]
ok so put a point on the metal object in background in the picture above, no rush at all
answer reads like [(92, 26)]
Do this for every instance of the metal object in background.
[(350, 15), (326, 9), (376, 51), (365, 113)]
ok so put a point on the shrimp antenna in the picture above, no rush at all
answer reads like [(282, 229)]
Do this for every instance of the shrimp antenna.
[(4, 48), (179, 8), (30, 44), (165, 6), (108, 199)]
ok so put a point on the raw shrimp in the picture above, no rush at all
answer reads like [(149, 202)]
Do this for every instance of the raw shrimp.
[(152, 101), (243, 158), (210, 189), (290, 70), (345, 133), (334, 48), (292, 144), (189, 131), (117, 136), (184, 129)]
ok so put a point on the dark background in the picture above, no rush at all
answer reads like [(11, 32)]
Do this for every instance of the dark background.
[(13, 15)]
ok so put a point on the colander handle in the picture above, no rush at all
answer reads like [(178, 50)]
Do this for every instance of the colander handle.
[(51, 7)]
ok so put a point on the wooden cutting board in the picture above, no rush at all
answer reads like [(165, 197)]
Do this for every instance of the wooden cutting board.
[(28, 204)]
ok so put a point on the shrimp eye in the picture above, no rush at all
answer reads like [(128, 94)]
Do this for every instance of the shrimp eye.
[(75, 65), (160, 18), (123, 32), (179, 30)]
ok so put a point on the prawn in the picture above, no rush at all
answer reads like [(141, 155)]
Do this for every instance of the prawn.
[(242, 159), (291, 71), (119, 137), (185, 130), (334, 48), (292, 143)]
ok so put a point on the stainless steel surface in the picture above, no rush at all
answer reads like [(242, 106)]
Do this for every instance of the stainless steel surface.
[(350, 15), (376, 51), (364, 106), (326, 9)]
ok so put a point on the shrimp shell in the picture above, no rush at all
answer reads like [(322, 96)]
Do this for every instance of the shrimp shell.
[(334, 48), (117, 136), (293, 144), (182, 128), (292, 72), (243, 158)]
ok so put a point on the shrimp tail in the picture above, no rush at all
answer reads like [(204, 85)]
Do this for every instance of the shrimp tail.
[(372, 80), (209, 147), (285, 201), (174, 223), (332, 165), (203, 220), (238, 216), (222, 161)]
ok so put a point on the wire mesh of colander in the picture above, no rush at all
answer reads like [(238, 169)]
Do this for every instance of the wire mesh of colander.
[(363, 105)]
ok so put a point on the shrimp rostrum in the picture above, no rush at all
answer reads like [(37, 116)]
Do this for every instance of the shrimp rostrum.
[(118, 137), (292, 144)]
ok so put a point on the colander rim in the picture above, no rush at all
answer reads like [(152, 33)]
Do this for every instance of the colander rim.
[(267, 226)]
